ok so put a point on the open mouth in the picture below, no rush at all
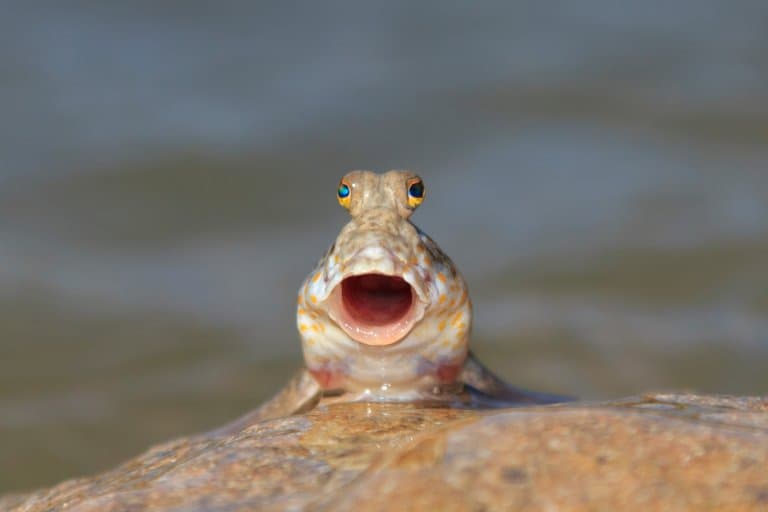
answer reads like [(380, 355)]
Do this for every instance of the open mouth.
[(375, 299), (375, 309)]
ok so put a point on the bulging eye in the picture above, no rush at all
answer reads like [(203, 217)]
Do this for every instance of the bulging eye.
[(343, 194), (415, 192)]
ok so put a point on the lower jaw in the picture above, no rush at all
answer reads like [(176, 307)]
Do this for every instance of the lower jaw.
[(393, 382)]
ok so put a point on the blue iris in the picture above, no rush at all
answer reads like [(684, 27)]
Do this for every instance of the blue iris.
[(416, 190), (343, 191)]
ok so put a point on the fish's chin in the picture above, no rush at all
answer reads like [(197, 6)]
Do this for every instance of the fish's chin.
[(375, 309)]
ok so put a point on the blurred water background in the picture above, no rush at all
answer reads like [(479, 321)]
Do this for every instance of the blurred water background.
[(598, 171)]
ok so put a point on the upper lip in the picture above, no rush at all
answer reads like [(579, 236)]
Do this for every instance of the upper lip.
[(389, 264)]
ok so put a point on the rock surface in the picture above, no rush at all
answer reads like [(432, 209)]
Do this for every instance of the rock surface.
[(658, 452)]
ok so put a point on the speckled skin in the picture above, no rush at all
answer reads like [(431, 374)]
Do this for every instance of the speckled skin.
[(380, 239)]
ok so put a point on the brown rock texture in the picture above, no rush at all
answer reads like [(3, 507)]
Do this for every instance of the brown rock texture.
[(657, 452)]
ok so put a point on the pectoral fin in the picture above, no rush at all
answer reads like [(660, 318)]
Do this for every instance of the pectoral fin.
[(476, 377), (301, 394)]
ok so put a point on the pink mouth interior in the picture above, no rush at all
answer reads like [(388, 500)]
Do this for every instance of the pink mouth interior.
[(376, 309), (375, 299)]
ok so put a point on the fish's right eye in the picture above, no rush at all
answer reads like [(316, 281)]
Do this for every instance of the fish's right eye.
[(343, 194)]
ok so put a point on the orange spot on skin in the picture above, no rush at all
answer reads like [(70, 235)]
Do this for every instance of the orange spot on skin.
[(456, 318), (441, 325), (313, 298), (300, 300), (318, 328), (312, 314), (301, 311), (414, 261), (303, 328), (441, 299), (316, 277), (441, 277)]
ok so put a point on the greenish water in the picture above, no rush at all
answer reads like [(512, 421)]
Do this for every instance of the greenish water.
[(598, 173)]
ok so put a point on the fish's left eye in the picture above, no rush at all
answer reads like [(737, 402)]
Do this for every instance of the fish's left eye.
[(343, 194), (415, 193)]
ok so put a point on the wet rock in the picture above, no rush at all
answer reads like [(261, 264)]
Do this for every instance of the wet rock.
[(658, 452)]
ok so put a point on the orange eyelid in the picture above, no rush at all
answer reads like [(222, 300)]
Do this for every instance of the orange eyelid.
[(344, 201)]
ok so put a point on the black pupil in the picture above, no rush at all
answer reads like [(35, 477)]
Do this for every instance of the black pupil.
[(416, 190)]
